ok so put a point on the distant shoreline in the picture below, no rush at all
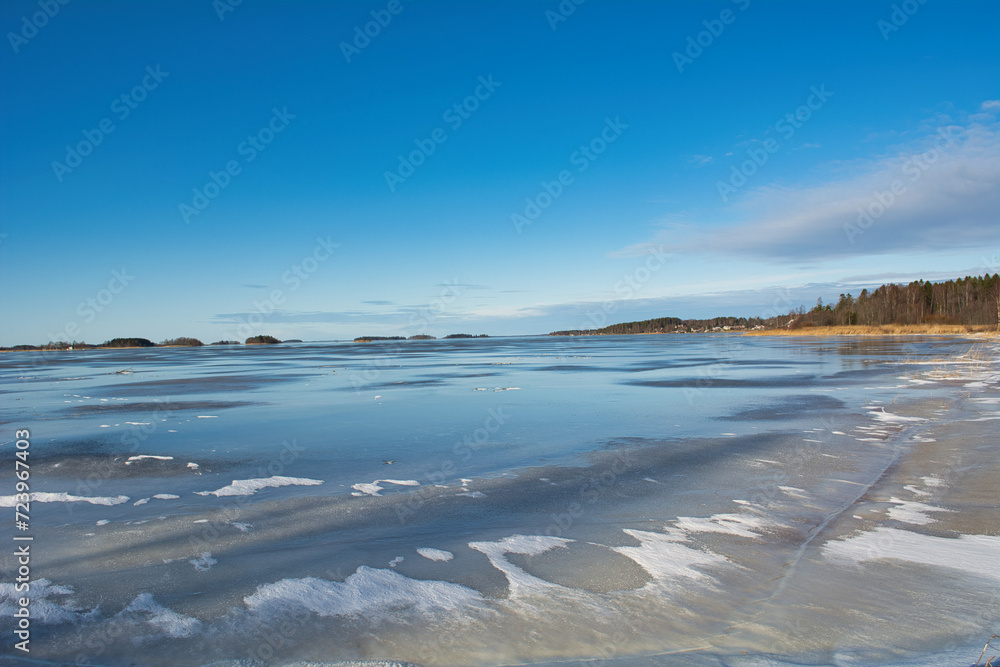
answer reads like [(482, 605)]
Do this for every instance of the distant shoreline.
[(977, 330)]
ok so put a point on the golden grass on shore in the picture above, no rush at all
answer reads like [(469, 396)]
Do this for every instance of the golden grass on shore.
[(986, 330)]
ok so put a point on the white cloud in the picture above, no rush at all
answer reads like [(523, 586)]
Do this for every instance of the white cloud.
[(947, 197)]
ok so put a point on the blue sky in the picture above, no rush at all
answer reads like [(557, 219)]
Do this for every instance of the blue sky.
[(219, 170)]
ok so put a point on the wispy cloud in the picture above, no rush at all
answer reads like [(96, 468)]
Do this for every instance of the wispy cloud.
[(297, 317), (947, 194), (400, 316), (906, 277)]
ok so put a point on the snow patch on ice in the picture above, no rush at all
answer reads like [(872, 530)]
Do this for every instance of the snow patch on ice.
[(63, 497), (520, 582), (204, 562), (730, 524), (666, 558), (975, 554), (248, 487), (375, 488), (165, 620), (140, 457), (158, 496), (913, 512), (369, 593), (435, 554), (43, 609), (795, 492), (893, 418)]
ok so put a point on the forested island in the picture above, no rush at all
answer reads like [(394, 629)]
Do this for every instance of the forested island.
[(970, 304), (118, 343)]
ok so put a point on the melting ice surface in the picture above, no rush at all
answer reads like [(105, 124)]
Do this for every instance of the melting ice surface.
[(687, 500)]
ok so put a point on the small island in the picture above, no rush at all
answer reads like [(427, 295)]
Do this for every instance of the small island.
[(372, 339), (129, 342), (181, 342), (262, 340)]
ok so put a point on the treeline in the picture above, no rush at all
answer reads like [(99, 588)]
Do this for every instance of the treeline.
[(969, 300), (963, 301), (669, 325)]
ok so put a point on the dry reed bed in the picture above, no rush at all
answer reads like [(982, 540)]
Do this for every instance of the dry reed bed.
[(986, 330)]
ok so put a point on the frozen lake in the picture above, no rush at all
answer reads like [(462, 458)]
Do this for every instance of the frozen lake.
[(644, 500)]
